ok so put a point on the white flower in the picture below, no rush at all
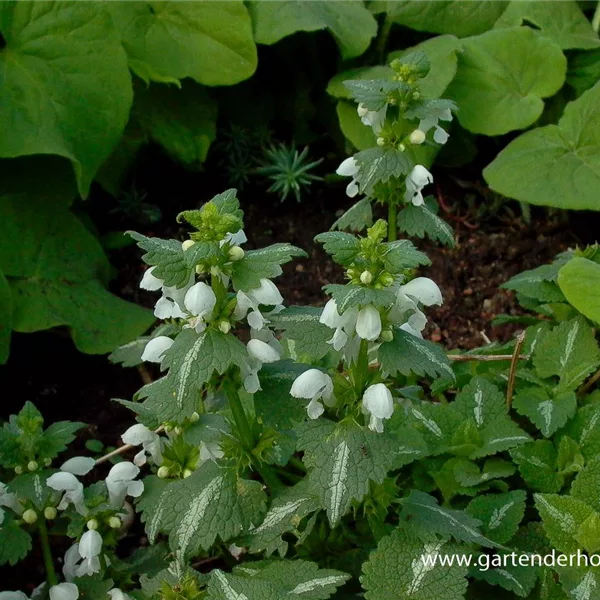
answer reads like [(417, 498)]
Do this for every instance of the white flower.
[(378, 402), (120, 483), (439, 134), (420, 289), (9, 500), (150, 282), (72, 488), (418, 178), (313, 385), (249, 371), (117, 594), (170, 304), (267, 294), (78, 465), (349, 168), (13, 596), (155, 349), (368, 323), (210, 451), (235, 239), (344, 325), (71, 562), (262, 351), (372, 118), (90, 546), (200, 300), (64, 591), (150, 441)]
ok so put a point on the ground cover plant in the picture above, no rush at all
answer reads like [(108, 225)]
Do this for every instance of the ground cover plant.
[(283, 446)]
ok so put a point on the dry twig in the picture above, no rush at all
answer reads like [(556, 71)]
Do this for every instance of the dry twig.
[(513, 368)]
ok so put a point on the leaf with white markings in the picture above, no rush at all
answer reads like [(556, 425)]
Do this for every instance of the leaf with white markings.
[(537, 462), (580, 583), (342, 458), (399, 569), (15, 542), (378, 165), (585, 429), (421, 221), (342, 247), (569, 351), (33, 487), (514, 578), (349, 296), (357, 217), (401, 255), (546, 413), (500, 514), (586, 485), (437, 423)]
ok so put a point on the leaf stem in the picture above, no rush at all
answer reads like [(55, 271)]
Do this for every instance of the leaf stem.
[(297, 464), (47, 552), (596, 18), (392, 220)]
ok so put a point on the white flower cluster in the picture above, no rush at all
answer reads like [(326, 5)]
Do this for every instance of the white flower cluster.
[(61, 591), (195, 303)]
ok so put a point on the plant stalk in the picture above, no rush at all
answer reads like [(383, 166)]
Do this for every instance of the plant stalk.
[(47, 552), (392, 220), (596, 18)]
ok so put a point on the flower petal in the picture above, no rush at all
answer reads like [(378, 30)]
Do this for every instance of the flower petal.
[(368, 323), (64, 591), (63, 481), (262, 351), (150, 282), (423, 289), (90, 544), (155, 349), (78, 465), (313, 385), (267, 293), (348, 168), (200, 299), (378, 401)]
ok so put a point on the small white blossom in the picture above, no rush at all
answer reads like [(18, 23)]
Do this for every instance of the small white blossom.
[(368, 323), (170, 304), (313, 385), (210, 451), (151, 443), (150, 282), (235, 239), (90, 546), (9, 500), (120, 483), (378, 402), (418, 178), (72, 488), (78, 465), (344, 324), (372, 118), (262, 351), (349, 168), (249, 371), (117, 594), (417, 137), (419, 290), (155, 349), (200, 300), (439, 135), (267, 295), (71, 562), (64, 591)]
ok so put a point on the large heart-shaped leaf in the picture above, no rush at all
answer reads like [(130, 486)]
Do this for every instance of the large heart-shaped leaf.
[(350, 23), (579, 281), (210, 42), (555, 165), (64, 84), (496, 89)]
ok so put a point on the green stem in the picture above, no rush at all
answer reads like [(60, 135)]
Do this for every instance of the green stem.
[(382, 39), (596, 18), (297, 464), (46, 552), (392, 220), (362, 368)]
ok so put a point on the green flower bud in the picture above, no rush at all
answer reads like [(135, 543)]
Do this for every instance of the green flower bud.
[(187, 244), (163, 472), (177, 430), (187, 473), (416, 95), (115, 523), (401, 147), (417, 136), (225, 326), (236, 253), (47, 462), (366, 277), (92, 524), (50, 513), (381, 141), (32, 465), (194, 417), (386, 280), (30, 516), (200, 269), (387, 335), (18, 469)]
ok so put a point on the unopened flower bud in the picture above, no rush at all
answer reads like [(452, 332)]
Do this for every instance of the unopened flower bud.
[(401, 147), (32, 465), (187, 473), (236, 253), (417, 136), (416, 95), (177, 430), (50, 513), (18, 469), (114, 523), (47, 462), (30, 516), (381, 141), (387, 335), (386, 280), (199, 269), (194, 417), (163, 472), (187, 244), (92, 524), (225, 326), (366, 277)]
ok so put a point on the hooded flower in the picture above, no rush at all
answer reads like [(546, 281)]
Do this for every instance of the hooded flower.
[(170, 304), (155, 349), (200, 300), (262, 351), (120, 483), (72, 488), (267, 294), (378, 402), (71, 562), (78, 465), (419, 290), (90, 546), (64, 591), (372, 118), (368, 323), (349, 168), (151, 443), (117, 594), (235, 239), (9, 500), (418, 178), (210, 451), (313, 385), (344, 325), (439, 134)]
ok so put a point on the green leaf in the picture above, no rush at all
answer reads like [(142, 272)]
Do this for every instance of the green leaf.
[(361, 137), (563, 22), (514, 578), (343, 247), (539, 283), (586, 485), (210, 42), (422, 222), (584, 71), (342, 458), (350, 23), (407, 354), (15, 543), (569, 351), (447, 16), (304, 334), (547, 413), (555, 165), (337, 88), (396, 569), (537, 465), (500, 514), (65, 86), (588, 534), (349, 296), (579, 280), (437, 423), (183, 121), (496, 91), (378, 165), (562, 517), (262, 264), (357, 218), (212, 502), (192, 359), (401, 255), (6, 312), (585, 429), (423, 510), (581, 583), (56, 438), (32, 486)]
